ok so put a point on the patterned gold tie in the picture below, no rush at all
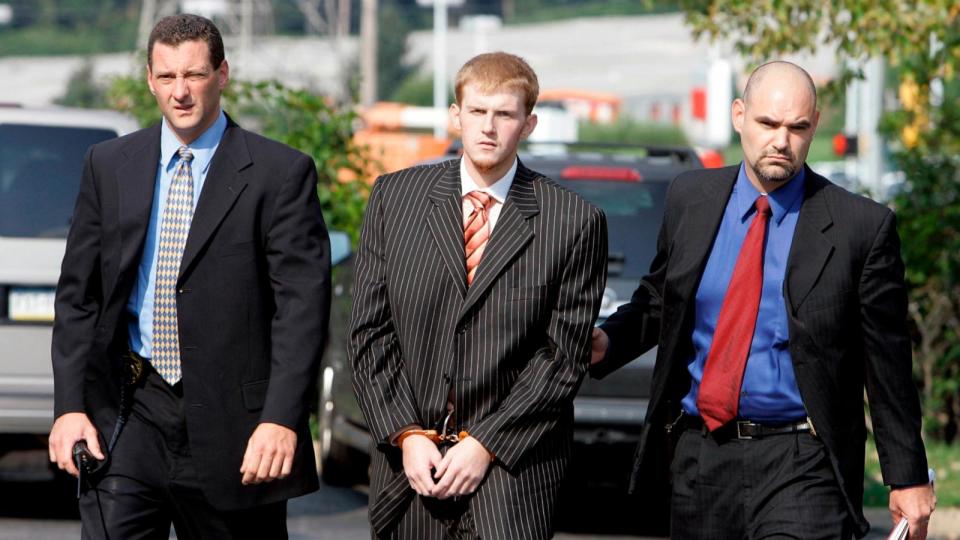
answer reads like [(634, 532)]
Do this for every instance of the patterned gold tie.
[(174, 228), (476, 230)]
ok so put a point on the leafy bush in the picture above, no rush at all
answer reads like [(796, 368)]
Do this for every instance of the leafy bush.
[(298, 118)]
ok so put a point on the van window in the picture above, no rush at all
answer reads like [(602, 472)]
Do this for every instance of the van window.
[(40, 168)]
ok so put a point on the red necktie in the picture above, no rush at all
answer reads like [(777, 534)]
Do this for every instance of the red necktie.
[(476, 230), (719, 394)]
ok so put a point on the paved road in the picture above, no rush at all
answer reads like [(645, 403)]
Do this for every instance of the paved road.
[(27, 512)]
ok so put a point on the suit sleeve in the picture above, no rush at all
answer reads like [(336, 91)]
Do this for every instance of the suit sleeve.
[(635, 327), (79, 298), (551, 378), (894, 403), (298, 263), (380, 381)]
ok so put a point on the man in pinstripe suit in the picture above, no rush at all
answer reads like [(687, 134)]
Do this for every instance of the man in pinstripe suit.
[(478, 281), (775, 447)]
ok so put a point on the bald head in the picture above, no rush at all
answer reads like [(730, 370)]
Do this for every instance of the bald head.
[(783, 72), (776, 119)]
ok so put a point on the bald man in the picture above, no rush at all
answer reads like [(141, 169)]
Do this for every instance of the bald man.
[(775, 297)]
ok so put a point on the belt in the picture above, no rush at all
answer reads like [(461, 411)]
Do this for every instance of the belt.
[(745, 429)]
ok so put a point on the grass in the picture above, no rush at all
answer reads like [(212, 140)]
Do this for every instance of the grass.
[(943, 458), (51, 40), (629, 131)]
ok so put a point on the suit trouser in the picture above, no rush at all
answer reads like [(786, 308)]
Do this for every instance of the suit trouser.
[(152, 481), (779, 486)]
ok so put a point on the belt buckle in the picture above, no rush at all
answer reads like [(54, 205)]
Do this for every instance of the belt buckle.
[(740, 435)]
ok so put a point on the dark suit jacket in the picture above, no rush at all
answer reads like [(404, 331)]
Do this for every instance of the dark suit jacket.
[(252, 302), (514, 346), (847, 308)]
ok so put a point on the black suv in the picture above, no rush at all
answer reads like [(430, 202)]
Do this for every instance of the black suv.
[(629, 183)]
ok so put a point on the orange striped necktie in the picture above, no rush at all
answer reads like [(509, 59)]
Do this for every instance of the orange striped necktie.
[(476, 230)]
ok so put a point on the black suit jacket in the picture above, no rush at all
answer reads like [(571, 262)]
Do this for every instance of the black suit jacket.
[(846, 308), (252, 302), (514, 346)]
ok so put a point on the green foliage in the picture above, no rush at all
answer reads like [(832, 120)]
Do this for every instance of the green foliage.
[(298, 118), (131, 95), (943, 458), (629, 131), (82, 91), (926, 137), (527, 11), (51, 27), (307, 122), (418, 90), (392, 68)]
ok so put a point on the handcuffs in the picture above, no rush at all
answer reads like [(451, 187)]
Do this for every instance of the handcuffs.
[(442, 436)]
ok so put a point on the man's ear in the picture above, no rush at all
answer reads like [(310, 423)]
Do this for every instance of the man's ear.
[(738, 112), (529, 125), (454, 114), (224, 71), (150, 81)]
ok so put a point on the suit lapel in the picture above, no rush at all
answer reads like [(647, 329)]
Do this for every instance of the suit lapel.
[(446, 223), (810, 249), (699, 223), (136, 182), (510, 236), (223, 185)]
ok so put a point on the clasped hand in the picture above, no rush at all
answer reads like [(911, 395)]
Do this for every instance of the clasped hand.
[(432, 474)]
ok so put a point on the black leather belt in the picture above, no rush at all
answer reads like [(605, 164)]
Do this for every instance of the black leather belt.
[(745, 429)]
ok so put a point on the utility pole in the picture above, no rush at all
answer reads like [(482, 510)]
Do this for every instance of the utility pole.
[(368, 52), (150, 13), (440, 66)]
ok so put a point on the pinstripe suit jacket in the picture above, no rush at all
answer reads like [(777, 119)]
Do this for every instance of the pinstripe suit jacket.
[(514, 346), (846, 312)]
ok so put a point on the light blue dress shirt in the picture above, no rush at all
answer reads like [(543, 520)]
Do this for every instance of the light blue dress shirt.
[(769, 392), (140, 304)]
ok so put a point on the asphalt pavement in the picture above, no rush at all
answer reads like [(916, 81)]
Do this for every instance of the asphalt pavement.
[(28, 511)]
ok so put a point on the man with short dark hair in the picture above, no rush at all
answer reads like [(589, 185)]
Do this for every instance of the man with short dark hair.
[(191, 313), (775, 298), (478, 281)]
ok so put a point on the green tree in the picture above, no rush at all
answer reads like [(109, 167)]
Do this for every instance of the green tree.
[(394, 28), (298, 118), (920, 40), (82, 90)]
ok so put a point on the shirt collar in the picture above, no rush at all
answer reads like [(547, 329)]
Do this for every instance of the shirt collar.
[(498, 189), (203, 147), (781, 200)]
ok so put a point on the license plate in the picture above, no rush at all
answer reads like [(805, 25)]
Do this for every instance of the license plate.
[(30, 304)]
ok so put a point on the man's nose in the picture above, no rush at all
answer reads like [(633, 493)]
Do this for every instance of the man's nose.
[(487, 125), (181, 90), (780, 139)]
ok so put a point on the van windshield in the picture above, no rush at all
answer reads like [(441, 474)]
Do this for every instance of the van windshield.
[(40, 168)]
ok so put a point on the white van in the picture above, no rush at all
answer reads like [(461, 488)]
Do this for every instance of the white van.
[(41, 160)]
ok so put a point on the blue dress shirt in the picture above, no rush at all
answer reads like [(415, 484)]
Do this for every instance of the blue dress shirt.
[(140, 304), (769, 392)]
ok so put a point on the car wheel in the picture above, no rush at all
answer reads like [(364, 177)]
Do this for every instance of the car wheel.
[(339, 464)]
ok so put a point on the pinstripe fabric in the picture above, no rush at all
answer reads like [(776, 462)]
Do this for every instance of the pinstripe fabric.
[(513, 346)]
